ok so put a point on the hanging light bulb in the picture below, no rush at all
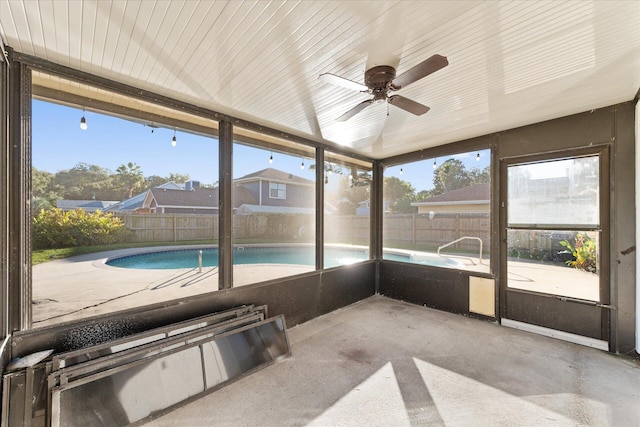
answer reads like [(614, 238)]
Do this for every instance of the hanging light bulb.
[(326, 179), (83, 121), (434, 163), (478, 157), (174, 141), (271, 158), (401, 171), (302, 165), (330, 171)]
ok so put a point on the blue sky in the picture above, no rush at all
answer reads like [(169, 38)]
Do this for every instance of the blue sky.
[(59, 143)]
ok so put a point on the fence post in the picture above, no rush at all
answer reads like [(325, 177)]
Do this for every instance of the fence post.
[(175, 237), (413, 229)]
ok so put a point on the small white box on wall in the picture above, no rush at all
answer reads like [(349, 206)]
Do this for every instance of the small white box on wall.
[(482, 296)]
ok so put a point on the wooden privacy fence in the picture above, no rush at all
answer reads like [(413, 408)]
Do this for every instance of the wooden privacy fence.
[(171, 227), (352, 229), (183, 227), (421, 230), (407, 230)]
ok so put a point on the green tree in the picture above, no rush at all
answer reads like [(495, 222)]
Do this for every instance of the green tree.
[(154, 181), (398, 194), (40, 182), (450, 175), (130, 177), (44, 190), (480, 176), (85, 182), (39, 204), (424, 194), (178, 178)]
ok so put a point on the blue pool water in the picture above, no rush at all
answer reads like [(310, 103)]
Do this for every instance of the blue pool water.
[(298, 255)]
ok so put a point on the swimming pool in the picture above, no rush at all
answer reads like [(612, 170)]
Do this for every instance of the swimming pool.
[(297, 255)]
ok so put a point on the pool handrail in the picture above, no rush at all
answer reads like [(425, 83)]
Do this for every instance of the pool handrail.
[(461, 239)]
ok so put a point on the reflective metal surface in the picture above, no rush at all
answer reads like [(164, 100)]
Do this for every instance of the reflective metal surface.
[(80, 370), (76, 356), (167, 376), (24, 400), (134, 377)]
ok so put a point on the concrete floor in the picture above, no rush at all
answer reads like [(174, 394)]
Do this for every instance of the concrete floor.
[(383, 362)]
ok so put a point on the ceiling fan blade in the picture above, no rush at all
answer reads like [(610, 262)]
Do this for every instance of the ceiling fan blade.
[(408, 105), (355, 110), (341, 81), (423, 69)]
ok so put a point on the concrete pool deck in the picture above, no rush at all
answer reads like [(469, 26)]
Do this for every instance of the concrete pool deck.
[(83, 286)]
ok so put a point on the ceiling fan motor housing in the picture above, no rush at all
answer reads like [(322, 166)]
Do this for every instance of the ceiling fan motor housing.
[(379, 78)]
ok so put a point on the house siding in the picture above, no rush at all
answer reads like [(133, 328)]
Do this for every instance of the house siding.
[(297, 196)]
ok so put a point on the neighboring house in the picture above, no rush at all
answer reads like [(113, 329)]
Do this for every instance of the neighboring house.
[(471, 199), (191, 199), (363, 208), (268, 190), (87, 205), (135, 203), (272, 187)]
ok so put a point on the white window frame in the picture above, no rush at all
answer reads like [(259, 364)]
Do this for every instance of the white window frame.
[(280, 190)]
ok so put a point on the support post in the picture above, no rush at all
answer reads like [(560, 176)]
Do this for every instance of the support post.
[(225, 244), (19, 195), (376, 210), (319, 208)]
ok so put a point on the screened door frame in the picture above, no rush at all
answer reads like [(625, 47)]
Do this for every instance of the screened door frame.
[(547, 303)]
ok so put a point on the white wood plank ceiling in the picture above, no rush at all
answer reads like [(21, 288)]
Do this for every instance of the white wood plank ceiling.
[(511, 63)]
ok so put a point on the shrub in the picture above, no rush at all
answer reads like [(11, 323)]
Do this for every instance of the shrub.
[(584, 253), (54, 228)]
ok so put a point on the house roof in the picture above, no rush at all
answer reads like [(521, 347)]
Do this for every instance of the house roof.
[(272, 174), (198, 197), (89, 205), (477, 193), (241, 196), (137, 201)]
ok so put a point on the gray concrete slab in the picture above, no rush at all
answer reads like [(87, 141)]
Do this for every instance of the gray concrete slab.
[(82, 286), (383, 362)]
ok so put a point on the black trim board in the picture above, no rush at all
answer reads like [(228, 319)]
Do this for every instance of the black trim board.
[(299, 299), (550, 312), (439, 288)]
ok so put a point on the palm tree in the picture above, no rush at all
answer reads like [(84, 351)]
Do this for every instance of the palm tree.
[(130, 177)]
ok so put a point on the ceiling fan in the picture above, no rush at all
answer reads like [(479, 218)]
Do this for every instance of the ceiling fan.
[(381, 80)]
